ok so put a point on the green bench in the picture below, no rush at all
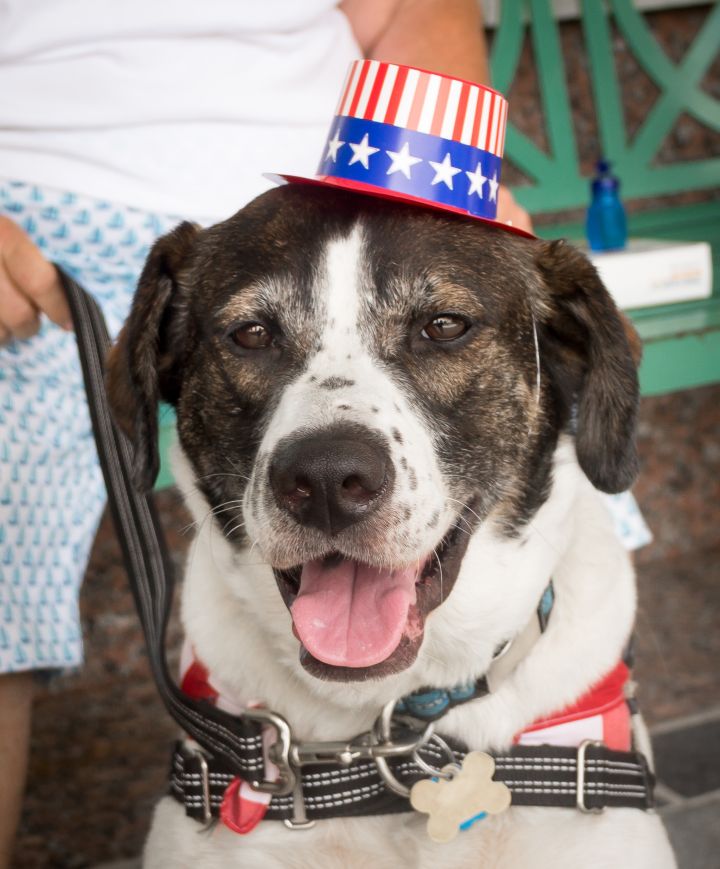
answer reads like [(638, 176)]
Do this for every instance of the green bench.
[(682, 341)]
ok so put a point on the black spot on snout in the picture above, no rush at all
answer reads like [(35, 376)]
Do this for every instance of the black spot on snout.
[(397, 437), (336, 383)]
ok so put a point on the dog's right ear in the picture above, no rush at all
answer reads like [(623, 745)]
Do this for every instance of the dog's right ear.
[(142, 366), (585, 346)]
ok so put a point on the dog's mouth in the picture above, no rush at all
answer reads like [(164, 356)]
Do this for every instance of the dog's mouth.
[(356, 621)]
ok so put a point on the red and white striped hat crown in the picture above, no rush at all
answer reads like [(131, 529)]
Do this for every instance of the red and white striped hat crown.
[(416, 136)]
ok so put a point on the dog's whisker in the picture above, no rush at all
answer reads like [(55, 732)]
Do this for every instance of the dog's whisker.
[(225, 474), (468, 527), (537, 359), (437, 557), (232, 519), (237, 505), (539, 533), (465, 507), (215, 510), (233, 529)]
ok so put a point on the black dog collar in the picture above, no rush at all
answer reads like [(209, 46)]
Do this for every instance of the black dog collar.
[(589, 778)]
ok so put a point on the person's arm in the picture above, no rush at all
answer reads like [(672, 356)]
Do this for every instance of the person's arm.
[(441, 35)]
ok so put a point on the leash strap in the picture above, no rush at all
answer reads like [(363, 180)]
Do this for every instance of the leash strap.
[(234, 741), (591, 778)]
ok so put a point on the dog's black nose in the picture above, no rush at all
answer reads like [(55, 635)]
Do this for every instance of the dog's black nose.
[(331, 479)]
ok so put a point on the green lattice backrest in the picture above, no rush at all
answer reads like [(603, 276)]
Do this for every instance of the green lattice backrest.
[(556, 181)]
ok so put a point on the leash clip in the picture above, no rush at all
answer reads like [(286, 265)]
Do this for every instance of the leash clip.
[(278, 753), (377, 745)]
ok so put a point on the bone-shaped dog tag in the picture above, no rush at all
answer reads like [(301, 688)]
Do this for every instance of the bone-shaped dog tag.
[(470, 791)]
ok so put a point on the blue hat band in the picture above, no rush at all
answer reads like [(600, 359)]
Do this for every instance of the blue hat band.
[(421, 165)]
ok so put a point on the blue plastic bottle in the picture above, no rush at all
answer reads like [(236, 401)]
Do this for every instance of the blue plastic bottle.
[(606, 225)]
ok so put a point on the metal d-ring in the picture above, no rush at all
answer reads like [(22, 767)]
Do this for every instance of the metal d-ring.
[(385, 748), (444, 772)]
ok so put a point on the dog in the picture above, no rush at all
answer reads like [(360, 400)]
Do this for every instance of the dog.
[(392, 428)]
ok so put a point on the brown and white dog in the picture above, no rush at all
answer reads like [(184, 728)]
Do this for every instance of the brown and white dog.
[(374, 416)]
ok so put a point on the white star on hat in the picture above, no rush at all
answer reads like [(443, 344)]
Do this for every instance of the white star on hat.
[(477, 181), (334, 146), (402, 160), (493, 183), (362, 152), (444, 171)]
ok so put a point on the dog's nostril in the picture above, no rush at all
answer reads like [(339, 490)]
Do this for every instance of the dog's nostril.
[(293, 491), (296, 486), (355, 490)]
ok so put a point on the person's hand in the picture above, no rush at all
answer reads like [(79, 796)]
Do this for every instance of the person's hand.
[(510, 212), (29, 286)]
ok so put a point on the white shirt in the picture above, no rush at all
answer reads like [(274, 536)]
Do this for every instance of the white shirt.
[(173, 106)]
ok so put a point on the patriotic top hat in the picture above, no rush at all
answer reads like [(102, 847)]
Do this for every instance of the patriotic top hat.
[(416, 136)]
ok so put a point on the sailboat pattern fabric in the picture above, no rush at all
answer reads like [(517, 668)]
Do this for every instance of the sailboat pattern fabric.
[(51, 489)]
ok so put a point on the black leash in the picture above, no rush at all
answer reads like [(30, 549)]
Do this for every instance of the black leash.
[(232, 740)]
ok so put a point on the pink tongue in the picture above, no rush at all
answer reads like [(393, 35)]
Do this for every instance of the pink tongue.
[(350, 614)]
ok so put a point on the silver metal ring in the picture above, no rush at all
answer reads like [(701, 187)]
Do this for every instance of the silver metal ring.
[(434, 771)]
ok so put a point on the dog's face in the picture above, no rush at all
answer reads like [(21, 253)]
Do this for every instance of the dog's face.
[(358, 386)]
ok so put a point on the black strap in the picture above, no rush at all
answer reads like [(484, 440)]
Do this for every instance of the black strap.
[(234, 741), (536, 776)]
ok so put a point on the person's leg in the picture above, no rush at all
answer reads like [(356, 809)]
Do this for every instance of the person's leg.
[(16, 692), (50, 500), (51, 497)]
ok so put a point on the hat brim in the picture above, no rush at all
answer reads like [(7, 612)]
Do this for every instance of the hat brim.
[(383, 193)]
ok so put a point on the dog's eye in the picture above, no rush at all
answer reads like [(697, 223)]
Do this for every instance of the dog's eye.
[(445, 327), (251, 336)]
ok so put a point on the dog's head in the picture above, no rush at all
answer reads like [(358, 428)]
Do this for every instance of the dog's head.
[(358, 386)]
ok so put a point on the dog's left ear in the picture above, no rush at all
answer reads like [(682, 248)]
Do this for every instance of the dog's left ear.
[(590, 360), (143, 365)]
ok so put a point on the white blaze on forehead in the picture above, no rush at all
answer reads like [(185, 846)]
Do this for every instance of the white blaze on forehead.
[(341, 295)]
